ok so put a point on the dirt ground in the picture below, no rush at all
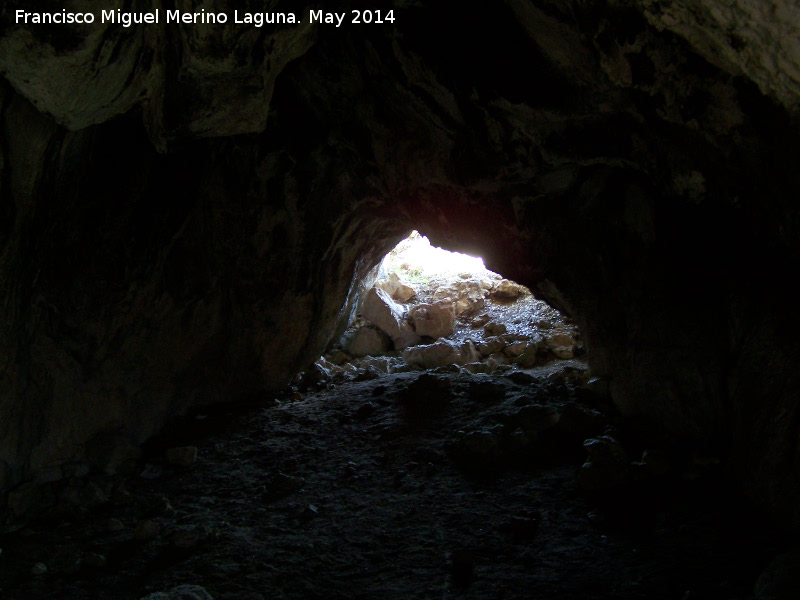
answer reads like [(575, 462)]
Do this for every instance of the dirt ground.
[(411, 485)]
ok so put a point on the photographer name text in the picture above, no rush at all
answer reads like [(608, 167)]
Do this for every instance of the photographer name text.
[(257, 19)]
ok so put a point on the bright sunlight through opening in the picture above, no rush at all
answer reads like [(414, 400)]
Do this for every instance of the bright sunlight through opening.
[(415, 255)]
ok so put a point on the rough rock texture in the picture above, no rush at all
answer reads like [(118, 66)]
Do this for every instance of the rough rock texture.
[(188, 213), (431, 356), (433, 320), (369, 341), (465, 296), (188, 80), (388, 316), (756, 38), (399, 291)]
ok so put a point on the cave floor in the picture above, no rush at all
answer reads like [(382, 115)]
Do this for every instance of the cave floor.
[(367, 490)]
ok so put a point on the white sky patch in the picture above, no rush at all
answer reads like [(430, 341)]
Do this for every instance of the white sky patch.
[(416, 255)]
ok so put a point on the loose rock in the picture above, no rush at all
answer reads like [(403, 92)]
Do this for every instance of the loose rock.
[(399, 291), (479, 321), (465, 296), (431, 356), (561, 344), (383, 312), (494, 328), (433, 320), (507, 289), (468, 353), (497, 359), (477, 368), (515, 349), (491, 346), (369, 341)]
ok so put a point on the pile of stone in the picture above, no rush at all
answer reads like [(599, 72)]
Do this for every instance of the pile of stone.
[(402, 328)]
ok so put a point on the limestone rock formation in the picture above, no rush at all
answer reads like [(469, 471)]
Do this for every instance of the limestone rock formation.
[(186, 211), (399, 291), (507, 289), (561, 343), (466, 296), (433, 320), (369, 341), (431, 356), (388, 316)]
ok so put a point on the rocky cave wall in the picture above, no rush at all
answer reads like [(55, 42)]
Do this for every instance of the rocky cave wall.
[(186, 211)]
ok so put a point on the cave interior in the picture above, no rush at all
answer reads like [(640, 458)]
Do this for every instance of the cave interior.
[(191, 217)]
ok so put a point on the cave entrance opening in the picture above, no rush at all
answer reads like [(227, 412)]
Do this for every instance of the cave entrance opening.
[(426, 308)]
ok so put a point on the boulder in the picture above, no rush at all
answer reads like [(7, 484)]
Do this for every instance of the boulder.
[(399, 291), (529, 355), (479, 321), (486, 283), (477, 368), (510, 338), (466, 296), (316, 375), (388, 316), (433, 320), (561, 344), (507, 290), (469, 353), (383, 312), (328, 368), (490, 346), (369, 341), (493, 328), (497, 359), (431, 356), (515, 349)]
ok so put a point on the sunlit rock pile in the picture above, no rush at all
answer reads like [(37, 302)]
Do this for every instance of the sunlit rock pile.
[(470, 322)]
